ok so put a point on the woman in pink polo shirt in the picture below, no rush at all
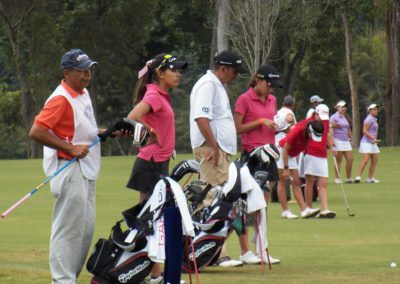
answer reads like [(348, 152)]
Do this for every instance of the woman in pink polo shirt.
[(254, 121), (152, 108)]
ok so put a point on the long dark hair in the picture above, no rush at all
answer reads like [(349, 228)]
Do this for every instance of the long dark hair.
[(148, 78), (253, 82), (348, 118)]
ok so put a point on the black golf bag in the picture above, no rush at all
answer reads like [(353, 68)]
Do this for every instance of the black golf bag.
[(124, 256), (216, 211)]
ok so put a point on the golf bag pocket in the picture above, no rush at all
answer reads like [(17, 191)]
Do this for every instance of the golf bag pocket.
[(103, 258), (206, 251), (132, 267)]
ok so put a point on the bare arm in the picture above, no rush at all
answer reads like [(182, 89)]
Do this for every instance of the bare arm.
[(366, 127), (285, 159), (46, 138), (137, 113)]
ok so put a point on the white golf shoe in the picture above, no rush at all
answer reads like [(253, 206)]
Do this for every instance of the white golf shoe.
[(249, 258), (309, 212), (287, 214)]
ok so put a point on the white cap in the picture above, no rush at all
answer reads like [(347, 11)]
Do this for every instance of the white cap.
[(341, 104), (371, 106), (316, 98), (323, 111)]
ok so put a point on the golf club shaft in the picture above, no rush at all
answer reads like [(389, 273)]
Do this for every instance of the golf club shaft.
[(341, 186), (29, 195)]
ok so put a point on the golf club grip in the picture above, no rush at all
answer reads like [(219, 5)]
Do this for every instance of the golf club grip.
[(18, 203), (27, 196)]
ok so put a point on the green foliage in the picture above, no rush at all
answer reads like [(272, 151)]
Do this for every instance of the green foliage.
[(123, 35), (12, 134)]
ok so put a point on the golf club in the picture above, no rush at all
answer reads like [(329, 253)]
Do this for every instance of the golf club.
[(341, 185), (26, 197)]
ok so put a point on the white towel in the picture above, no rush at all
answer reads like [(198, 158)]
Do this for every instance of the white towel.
[(255, 196)]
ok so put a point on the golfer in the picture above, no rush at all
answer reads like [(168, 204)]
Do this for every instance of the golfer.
[(316, 164), (66, 126), (212, 129), (341, 125), (254, 120), (290, 146), (369, 145), (152, 107)]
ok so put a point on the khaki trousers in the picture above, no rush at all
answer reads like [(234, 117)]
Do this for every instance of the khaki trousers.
[(208, 172)]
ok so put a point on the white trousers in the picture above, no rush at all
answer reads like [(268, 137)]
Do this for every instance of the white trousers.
[(73, 223)]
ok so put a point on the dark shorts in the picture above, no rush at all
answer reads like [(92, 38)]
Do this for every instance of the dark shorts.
[(145, 174), (271, 167)]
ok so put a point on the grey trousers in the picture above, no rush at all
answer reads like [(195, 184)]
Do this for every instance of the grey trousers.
[(73, 223)]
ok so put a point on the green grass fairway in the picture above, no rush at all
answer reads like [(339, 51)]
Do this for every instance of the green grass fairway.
[(343, 250)]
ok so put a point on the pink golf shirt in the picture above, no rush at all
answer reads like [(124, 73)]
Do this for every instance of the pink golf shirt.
[(162, 119), (252, 108)]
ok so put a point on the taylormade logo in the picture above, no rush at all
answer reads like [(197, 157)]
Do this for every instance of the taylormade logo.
[(270, 75), (201, 250), (124, 278)]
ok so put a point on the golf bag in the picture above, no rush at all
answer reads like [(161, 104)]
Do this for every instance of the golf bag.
[(217, 210), (128, 256)]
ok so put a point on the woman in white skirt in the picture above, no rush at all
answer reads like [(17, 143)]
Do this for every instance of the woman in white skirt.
[(341, 125), (369, 145)]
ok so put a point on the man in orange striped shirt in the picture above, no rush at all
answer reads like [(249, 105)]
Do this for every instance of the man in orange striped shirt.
[(66, 126)]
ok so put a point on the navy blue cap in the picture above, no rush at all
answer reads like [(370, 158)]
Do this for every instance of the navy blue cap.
[(76, 59), (230, 58), (268, 73)]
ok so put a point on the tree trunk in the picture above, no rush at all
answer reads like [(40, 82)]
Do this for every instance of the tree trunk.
[(14, 27), (28, 109), (388, 101), (214, 47), (222, 24), (294, 68), (350, 73), (396, 73)]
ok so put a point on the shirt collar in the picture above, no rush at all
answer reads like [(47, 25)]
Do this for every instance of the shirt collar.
[(155, 88), (215, 78), (255, 97), (71, 91)]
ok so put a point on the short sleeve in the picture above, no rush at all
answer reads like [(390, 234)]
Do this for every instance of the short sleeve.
[(203, 100), (241, 106), (52, 112), (153, 99)]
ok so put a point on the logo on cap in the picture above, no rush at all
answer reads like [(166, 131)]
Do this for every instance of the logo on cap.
[(82, 57)]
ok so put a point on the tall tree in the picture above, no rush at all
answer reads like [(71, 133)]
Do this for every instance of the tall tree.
[(15, 16), (252, 29), (349, 69), (393, 68)]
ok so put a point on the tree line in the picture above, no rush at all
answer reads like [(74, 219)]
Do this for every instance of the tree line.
[(337, 49)]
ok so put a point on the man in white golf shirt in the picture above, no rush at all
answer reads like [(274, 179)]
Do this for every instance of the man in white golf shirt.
[(212, 129)]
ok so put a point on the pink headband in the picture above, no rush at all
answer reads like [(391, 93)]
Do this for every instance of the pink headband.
[(145, 69)]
